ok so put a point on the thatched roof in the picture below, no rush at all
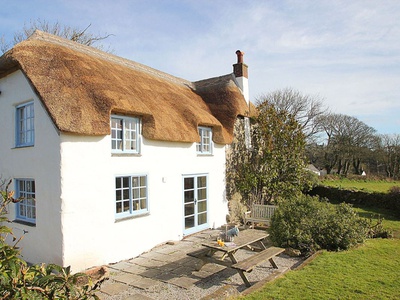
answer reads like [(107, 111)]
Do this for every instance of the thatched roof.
[(81, 87)]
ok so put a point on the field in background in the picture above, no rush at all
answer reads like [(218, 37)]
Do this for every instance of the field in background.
[(366, 185)]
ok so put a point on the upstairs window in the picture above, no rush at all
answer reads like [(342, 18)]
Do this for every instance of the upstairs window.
[(25, 127), (124, 135), (205, 144), (26, 208), (131, 195)]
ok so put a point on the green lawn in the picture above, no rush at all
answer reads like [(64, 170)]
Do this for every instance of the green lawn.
[(366, 185), (370, 271)]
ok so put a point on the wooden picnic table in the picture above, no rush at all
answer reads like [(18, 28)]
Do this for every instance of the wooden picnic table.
[(246, 239), (243, 240)]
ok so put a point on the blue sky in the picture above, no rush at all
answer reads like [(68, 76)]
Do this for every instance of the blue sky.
[(347, 52)]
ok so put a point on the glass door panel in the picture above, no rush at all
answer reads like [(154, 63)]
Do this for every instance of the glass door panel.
[(195, 203)]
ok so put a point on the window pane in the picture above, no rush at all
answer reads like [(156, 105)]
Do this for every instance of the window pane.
[(189, 209), (189, 183), (202, 218), (142, 192), (135, 193), (189, 222), (135, 205), (189, 196), (202, 206), (118, 182), (143, 204), (119, 207), (201, 181), (126, 206), (201, 194)]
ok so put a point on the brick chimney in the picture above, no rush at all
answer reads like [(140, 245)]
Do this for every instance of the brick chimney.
[(240, 70)]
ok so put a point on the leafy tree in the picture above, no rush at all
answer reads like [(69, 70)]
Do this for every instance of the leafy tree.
[(304, 108), (18, 280), (78, 35), (273, 166)]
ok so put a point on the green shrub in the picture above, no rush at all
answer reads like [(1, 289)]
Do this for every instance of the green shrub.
[(308, 224)]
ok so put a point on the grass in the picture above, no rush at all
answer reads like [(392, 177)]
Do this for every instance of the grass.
[(365, 185), (369, 271)]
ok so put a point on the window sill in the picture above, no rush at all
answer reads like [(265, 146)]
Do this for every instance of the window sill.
[(24, 223), (205, 154), (125, 155), (22, 146), (132, 217)]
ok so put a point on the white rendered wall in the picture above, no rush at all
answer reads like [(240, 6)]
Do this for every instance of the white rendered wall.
[(43, 242), (93, 235), (75, 188)]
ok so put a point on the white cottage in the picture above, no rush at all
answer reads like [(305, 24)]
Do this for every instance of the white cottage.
[(112, 157)]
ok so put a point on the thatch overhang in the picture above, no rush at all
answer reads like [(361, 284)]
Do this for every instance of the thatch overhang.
[(80, 87)]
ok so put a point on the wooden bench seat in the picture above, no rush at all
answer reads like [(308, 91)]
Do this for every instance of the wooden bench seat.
[(260, 214), (248, 264)]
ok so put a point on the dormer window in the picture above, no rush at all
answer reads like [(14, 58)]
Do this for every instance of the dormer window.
[(125, 135), (205, 144)]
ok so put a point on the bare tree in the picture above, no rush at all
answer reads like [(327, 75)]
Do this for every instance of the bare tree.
[(304, 108), (390, 154), (349, 140), (78, 35)]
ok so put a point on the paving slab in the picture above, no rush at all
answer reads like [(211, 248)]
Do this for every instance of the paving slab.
[(144, 283), (114, 288), (148, 263), (120, 265), (135, 269), (185, 270), (183, 282)]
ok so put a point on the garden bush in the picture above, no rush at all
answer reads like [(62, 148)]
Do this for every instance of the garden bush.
[(309, 224)]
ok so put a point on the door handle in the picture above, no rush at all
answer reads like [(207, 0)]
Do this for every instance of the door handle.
[(195, 201)]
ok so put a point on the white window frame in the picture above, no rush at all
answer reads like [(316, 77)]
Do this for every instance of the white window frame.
[(133, 194), (26, 208), (121, 134), (205, 146), (25, 125)]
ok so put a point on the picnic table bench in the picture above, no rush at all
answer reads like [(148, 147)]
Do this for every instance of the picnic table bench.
[(246, 239), (247, 265)]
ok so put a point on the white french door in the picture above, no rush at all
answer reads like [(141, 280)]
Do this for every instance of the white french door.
[(195, 203)]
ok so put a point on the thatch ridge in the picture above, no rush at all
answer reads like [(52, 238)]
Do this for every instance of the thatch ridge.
[(81, 87)]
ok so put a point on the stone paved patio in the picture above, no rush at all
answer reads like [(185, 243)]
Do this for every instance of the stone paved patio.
[(166, 272)]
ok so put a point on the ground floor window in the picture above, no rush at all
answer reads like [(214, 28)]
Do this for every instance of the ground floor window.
[(131, 195), (26, 208)]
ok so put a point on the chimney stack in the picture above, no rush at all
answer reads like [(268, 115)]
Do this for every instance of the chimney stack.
[(240, 70)]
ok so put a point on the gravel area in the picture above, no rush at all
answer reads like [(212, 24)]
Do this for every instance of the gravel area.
[(166, 272)]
